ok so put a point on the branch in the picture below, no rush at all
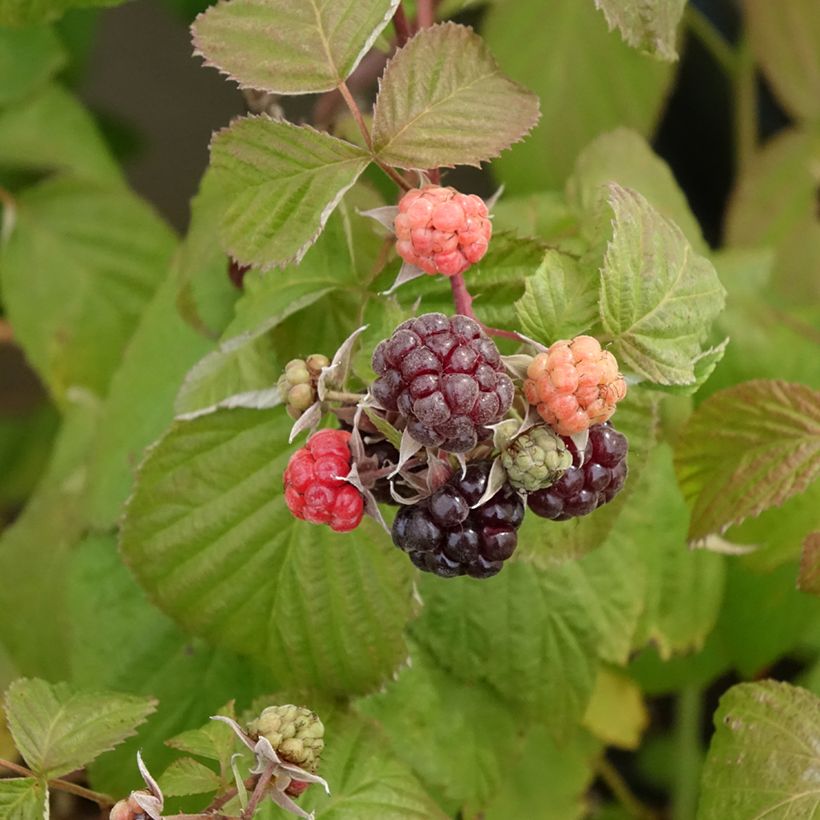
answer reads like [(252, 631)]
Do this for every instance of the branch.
[(463, 302), (402, 26), (259, 792), (426, 15), (63, 785)]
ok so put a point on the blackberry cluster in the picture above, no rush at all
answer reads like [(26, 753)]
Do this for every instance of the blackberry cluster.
[(585, 487), (445, 376), (445, 536)]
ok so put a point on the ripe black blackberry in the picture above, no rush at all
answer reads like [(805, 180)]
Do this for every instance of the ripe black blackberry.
[(445, 376), (444, 535), (584, 488)]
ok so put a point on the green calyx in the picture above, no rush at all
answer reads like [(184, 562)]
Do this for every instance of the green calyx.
[(536, 459), (296, 734)]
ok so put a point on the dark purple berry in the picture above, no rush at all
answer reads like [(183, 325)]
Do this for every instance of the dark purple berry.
[(444, 534), (446, 377), (584, 488)]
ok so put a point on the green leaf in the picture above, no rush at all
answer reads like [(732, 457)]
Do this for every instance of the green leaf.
[(746, 449), (584, 89), (684, 587), (809, 578), (775, 204), (560, 299), (52, 131), (459, 738), (206, 294), (549, 777), (443, 100), (28, 12), (658, 297), (524, 633), (763, 759), (763, 616), (35, 549), (140, 402), (616, 713), (625, 157), (22, 798), (366, 781), (28, 59), (227, 560), (786, 41), (281, 183), (286, 47), (188, 776), (214, 741), (80, 266), (58, 730), (649, 26), (121, 641)]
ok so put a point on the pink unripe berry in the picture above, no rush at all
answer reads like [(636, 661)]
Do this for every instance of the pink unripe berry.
[(440, 230)]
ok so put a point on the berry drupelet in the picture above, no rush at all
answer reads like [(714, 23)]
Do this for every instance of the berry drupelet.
[(445, 376), (585, 487), (444, 534)]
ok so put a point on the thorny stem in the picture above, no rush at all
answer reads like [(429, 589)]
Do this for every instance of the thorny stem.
[(621, 791), (402, 26), (63, 785), (259, 792)]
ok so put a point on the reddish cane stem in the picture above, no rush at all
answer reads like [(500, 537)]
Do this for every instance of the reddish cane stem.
[(262, 786), (426, 16), (402, 26), (464, 304)]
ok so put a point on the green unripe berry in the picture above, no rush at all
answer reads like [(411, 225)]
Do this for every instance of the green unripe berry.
[(316, 362), (296, 372), (296, 734), (300, 397), (536, 459)]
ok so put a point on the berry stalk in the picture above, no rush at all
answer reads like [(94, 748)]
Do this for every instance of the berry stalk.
[(463, 302)]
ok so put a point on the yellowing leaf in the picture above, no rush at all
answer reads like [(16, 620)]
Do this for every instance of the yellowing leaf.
[(444, 101), (616, 713)]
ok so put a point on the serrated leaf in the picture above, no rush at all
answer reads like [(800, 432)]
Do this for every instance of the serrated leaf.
[(57, 729), (140, 401), (443, 100), (52, 131), (586, 89), (786, 41), (22, 798), (560, 299), (746, 449), (28, 58), (616, 713), (523, 633), (809, 578), (366, 780), (459, 738), (649, 25), (228, 561), (658, 297), (281, 183), (214, 741), (286, 47), (188, 776), (81, 265), (624, 156), (763, 759), (135, 648)]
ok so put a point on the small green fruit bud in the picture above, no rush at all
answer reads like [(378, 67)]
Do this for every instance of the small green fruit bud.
[(316, 362), (297, 372), (296, 734), (536, 459), (300, 397)]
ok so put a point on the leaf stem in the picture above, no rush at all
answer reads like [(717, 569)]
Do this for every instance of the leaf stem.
[(9, 214), (63, 785), (368, 139), (342, 395), (402, 26), (426, 15), (621, 791), (262, 786), (463, 302), (711, 39), (689, 709), (746, 115)]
